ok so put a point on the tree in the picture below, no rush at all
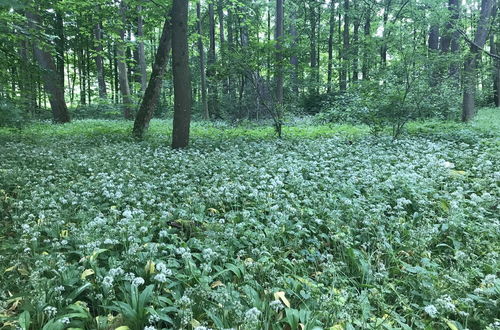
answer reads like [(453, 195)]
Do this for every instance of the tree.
[(153, 89), (180, 70), (278, 36), (122, 67), (201, 53), (470, 65), (51, 80)]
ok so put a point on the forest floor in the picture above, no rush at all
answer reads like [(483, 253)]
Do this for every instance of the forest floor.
[(328, 228)]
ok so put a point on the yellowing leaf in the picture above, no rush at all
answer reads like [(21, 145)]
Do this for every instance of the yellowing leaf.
[(195, 323), (64, 233), (213, 211), (86, 273), (10, 269), (280, 295), (23, 271), (123, 327), (216, 284), (451, 324), (150, 267), (45, 253), (337, 327), (454, 172), (97, 253)]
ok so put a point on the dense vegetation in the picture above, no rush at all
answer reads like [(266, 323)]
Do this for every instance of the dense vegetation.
[(328, 228), (335, 175)]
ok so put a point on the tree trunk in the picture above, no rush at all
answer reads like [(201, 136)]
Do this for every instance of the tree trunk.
[(201, 53), (50, 77), (153, 90), (140, 51), (99, 61), (278, 37), (365, 69), (345, 48), (60, 47), (313, 45), (496, 71), (330, 47), (182, 81), (122, 69), (212, 86), (470, 71), (294, 60), (385, 19)]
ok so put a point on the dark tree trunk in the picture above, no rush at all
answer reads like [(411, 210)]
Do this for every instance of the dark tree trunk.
[(182, 81), (433, 38), (50, 77), (470, 65), (385, 19), (201, 53), (294, 60), (330, 47), (496, 70), (141, 52), (60, 47), (345, 48), (278, 37), (212, 85), (153, 90), (122, 70), (99, 61), (355, 50), (313, 47), (365, 69)]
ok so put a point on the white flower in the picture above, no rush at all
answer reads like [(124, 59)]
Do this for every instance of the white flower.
[(160, 278), (137, 281), (431, 310), (252, 315), (107, 281)]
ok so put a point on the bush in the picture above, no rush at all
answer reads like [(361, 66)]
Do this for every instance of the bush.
[(11, 115), (101, 110)]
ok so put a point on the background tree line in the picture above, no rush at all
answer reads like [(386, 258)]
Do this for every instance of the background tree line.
[(373, 61)]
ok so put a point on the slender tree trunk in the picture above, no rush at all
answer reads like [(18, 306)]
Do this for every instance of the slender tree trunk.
[(313, 45), (495, 49), (122, 70), (278, 37), (365, 70), (212, 85), (330, 47), (99, 61), (60, 47), (201, 53), (182, 81), (345, 48), (153, 90), (355, 48), (385, 19), (470, 65), (294, 60), (141, 52), (433, 44), (50, 77)]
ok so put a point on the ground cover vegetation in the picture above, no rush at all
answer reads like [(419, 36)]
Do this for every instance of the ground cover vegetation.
[(335, 175), (329, 228)]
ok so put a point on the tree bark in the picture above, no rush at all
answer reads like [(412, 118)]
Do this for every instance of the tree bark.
[(330, 48), (365, 69), (294, 60), (212, 86), (50, 77), (345, 48), (278, 37), (470, 65), (140, 51), (122, 69), (201, 53), (99, 61), (182, 81), (153, 89), (60, 47)]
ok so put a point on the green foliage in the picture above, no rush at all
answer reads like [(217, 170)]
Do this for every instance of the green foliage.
[(11, 115), (243, 231)]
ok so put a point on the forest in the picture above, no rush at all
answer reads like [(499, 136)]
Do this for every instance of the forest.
[(249, 164)]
